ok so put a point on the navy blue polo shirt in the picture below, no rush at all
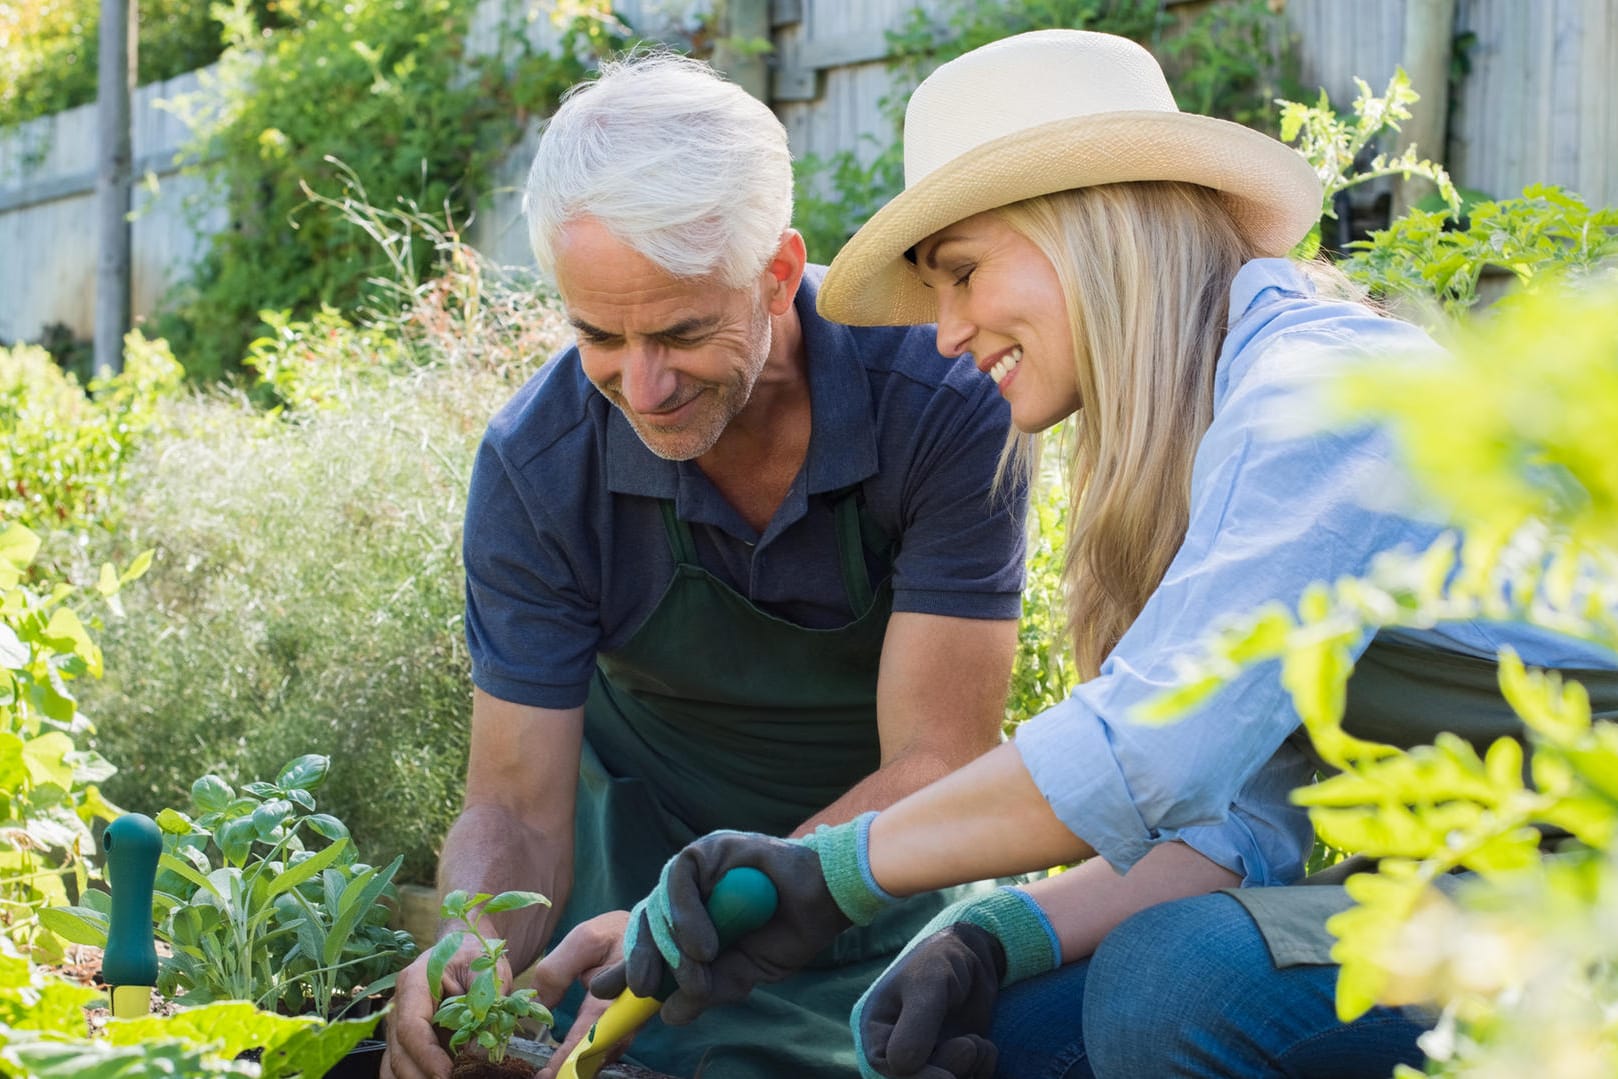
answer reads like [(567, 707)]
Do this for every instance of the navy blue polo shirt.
[(567, 554)]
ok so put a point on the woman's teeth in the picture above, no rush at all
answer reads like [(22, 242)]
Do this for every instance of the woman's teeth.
[(1007, 362)]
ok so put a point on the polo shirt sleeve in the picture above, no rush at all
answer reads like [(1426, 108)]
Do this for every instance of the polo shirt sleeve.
[(531, 629), (1271, 512), (961, 547)]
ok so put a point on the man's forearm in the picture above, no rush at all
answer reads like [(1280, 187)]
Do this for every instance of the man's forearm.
[(900, 777), (490, 850)]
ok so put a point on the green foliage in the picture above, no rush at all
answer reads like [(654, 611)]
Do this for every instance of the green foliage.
[(1530, 479), (1233, 61), (64, 450), (48, 49), (50, 795), (389, 88), (1335, 145), (1230, 61), (1424, 259), (43, 1035), (307, 592), (484, 1015), (1043, 674), (251, 911)]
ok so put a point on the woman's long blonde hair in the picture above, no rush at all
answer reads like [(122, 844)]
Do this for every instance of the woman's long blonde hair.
[(1146, 270)]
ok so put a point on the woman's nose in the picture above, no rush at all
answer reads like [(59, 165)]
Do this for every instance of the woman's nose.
[(955, 330)]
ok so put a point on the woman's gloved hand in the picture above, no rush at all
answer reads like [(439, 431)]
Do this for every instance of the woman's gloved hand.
[(928, 1014), (823, 884)]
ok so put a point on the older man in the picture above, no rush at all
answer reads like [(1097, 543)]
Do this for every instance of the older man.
[(728, 565)]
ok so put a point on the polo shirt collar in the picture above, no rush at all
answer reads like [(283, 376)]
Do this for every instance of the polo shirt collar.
[(842, 438)]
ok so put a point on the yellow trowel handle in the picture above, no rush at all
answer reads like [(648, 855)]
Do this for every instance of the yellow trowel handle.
[(742, 901)]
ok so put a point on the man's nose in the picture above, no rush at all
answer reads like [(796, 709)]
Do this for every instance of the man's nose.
[(648, 381)]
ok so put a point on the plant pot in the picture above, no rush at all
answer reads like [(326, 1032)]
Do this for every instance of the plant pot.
[(364, 1061)]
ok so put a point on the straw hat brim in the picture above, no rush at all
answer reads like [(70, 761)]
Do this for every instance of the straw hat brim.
[(1273, 195)]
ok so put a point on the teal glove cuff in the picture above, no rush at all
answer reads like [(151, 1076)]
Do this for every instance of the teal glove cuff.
[(1026, 934), (845, 861)]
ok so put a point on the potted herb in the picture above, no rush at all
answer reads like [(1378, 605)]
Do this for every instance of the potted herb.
[(482, 1021), (262, 899)]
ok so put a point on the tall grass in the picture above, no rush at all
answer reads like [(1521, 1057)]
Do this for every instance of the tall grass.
[(307, 591)]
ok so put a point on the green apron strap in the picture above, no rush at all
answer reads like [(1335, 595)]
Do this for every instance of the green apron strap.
[(851, 553), (680, 540)]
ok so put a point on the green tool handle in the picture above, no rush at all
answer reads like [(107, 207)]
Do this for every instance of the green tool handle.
[(132, 845), (742, 901)]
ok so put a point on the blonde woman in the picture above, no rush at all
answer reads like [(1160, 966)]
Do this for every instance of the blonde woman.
[(1103, 256)]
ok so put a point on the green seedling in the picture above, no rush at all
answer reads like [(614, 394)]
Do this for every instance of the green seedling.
[(484, 1015)]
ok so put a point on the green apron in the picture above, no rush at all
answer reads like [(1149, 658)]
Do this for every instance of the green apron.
[(1401, 693), (713, 715)]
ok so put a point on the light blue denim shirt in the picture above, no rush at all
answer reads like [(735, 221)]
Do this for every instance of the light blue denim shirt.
[(1275, 505)]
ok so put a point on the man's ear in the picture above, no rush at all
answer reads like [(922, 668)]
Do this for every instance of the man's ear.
[(785, 272)]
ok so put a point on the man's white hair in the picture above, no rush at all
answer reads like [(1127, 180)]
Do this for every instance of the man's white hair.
[(676, 162)]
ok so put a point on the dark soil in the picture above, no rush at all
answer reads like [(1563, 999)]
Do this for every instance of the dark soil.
[(470, 1067)]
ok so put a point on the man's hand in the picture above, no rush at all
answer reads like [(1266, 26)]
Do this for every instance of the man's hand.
[(413, 1049), (589, 949)]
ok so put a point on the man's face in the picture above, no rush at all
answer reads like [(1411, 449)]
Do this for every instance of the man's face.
[(679, 357)]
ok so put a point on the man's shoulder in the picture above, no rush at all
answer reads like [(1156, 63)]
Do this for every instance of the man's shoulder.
[(897, 359), (557, 411)]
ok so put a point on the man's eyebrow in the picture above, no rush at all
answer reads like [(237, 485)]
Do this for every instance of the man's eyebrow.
[(688, 327)]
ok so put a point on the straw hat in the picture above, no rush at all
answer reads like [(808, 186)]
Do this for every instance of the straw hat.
[(1044, 112)]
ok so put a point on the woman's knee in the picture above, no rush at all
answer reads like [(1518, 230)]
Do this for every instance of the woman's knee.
[(1168, 984)]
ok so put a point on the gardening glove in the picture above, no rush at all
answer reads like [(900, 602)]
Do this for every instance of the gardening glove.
[(928, 1014), (823, 883)]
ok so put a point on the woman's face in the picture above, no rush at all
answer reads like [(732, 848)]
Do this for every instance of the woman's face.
[(999, 299)]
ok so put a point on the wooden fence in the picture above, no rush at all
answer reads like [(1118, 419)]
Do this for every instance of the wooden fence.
[(1539, 103)]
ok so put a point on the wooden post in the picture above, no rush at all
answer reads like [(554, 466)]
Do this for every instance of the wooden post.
[(115, 87), (1429, 43), (744, 25)]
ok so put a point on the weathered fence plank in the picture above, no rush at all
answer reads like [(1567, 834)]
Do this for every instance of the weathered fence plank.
[(1539, 104)]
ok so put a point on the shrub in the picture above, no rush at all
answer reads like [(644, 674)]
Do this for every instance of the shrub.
[(388, 87), (63, 450), (307, 590)]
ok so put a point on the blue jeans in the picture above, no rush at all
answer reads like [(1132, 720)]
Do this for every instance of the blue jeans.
[(1188, 989)]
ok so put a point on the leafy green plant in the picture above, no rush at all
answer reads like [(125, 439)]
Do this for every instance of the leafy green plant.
[(251, 912), (43, 1035), (64, 448), (1424, 260), (1336, 145), (1043, 673), (394, 91), (484, 1015), (1233, 61), (51, 798), (1530, 479), (48, 49)]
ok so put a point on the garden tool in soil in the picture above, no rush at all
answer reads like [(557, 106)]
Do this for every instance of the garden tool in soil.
[(132, 845), (742, 901)]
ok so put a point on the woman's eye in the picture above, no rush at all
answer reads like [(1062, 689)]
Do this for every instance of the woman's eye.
[(962, 277)]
